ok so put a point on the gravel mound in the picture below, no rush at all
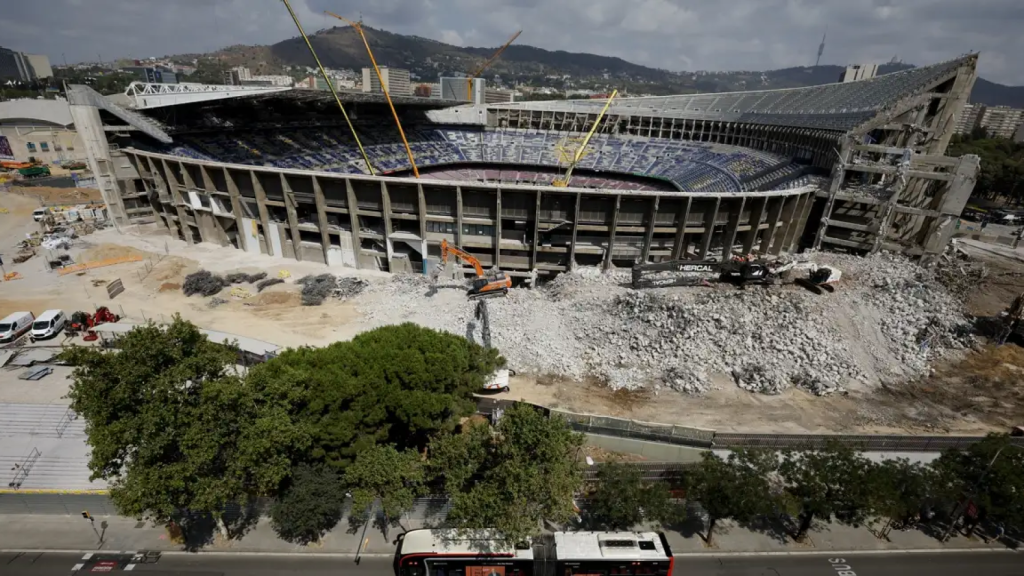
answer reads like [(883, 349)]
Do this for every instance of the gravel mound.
[(888, 320), (320, 287)]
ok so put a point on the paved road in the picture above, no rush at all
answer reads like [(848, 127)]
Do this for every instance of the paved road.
[(946, 564)]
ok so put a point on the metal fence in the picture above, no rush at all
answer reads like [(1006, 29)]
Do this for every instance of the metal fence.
[(704, 438)]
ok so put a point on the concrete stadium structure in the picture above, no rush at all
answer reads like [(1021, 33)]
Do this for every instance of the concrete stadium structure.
[(878, 146)]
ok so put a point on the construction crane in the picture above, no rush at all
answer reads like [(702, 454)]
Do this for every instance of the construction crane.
[(564, 181), (329, 85), (359, 28), (485, 285), (469, 80)]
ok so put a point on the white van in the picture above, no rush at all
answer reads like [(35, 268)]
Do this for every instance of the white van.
[(48, 324), (15, 325), (39, 213)]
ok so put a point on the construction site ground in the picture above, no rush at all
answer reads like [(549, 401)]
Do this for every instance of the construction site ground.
[(977, 393)]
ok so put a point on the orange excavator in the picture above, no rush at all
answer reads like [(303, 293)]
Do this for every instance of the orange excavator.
[(485, 285)]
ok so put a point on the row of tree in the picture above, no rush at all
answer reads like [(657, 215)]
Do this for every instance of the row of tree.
[(836, 483), (177, 431), (1001, 176)]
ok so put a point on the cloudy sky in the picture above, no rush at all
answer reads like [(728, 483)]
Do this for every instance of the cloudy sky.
[(671, 34)]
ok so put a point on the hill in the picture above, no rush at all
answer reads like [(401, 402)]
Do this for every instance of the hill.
[(341, 47)]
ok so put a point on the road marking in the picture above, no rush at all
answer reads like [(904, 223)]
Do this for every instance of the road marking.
[(841, 567), (77, 567), (129, 567), (87, 556)]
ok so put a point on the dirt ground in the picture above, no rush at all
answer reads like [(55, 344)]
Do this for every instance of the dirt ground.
[(984, 391), (50, 195)]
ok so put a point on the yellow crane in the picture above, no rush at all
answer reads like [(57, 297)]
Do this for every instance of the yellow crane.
[(359, 28), (469, 80), (564, 181), (331, 86)]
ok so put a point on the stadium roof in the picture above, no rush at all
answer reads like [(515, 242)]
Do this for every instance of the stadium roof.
[(33, 111), (841, 106), (81, 95), (147, 96)]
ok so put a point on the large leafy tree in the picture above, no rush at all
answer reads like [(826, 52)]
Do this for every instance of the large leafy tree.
[(169, 423), (900, 489), (395, 385), (990, 474), (510, 477), (385, 475), (310, 505), (737, 488), (623, 499), (833, 482), (1002, 165)]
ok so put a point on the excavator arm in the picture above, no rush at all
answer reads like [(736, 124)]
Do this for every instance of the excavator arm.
[(447, 249)]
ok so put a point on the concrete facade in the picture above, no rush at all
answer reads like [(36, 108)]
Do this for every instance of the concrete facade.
[(397, 224), (396, 80)]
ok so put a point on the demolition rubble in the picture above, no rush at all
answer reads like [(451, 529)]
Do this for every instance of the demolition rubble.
[(888, 320)]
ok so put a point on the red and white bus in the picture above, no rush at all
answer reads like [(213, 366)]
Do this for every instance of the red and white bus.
[(448, 553)]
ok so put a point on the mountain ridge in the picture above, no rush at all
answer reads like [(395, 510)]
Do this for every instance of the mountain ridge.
[(341, 47)]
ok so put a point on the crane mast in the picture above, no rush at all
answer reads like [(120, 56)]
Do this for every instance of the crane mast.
[(469, 80), (359, 28), (564, 181)]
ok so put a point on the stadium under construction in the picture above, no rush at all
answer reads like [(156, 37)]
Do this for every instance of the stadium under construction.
[(857, 166)]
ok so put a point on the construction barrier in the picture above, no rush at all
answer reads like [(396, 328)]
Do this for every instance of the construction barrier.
[(98, 264)]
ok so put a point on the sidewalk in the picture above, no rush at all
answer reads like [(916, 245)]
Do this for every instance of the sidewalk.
[(46, 532)]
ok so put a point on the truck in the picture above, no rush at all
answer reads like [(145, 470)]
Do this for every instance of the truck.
[(34, 171)]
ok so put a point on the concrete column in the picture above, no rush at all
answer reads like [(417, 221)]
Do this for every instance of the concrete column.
[(210, 187), (497, 228), (321, 218), (801, 221), (163, 190), (649, 236), (774, 213), (575, 225), (783, 236), (458, 215), (684, 215), (385, 204), (729, 240), (89, 126), (952, 204), (838, 175), (293, 219), (536, 232), (174, 188), (353, 218), (709, 229), (422, 203), (261, 206), (236, 209), (756, 213), (611, 234)]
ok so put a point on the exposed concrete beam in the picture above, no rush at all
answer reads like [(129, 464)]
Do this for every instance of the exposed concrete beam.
[(709, 229), (321, 218), (756, 213), (536, 231), (611, 234), (684, 215), (774, 214), (236, 208), (293, 219), (353, 218), (575, 226), (649, 236), (729, 239), (261, 205)]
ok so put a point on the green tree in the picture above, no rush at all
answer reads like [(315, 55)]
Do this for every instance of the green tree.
[(827, 483), (384, 474), (394, 385), (310, 506), (512, 476), (168, 423), (737, 488), (899, 490), (990, 474), (623, 499)]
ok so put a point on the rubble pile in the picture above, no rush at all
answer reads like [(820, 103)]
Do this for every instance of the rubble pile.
[(316, 288), (204, 283), (889, 318), (347, 287)]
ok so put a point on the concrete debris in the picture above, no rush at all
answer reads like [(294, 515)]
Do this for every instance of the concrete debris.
[(347, 287), (204, 283), (215, 301), (888, 320)]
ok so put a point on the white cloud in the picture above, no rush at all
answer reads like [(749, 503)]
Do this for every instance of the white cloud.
[(672, 34)]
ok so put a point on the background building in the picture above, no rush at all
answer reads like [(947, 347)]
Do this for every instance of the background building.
[(859, 72), (41, 130), (20, 66), (396, 80), (152, 75), (998, 121), (457, 89)]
